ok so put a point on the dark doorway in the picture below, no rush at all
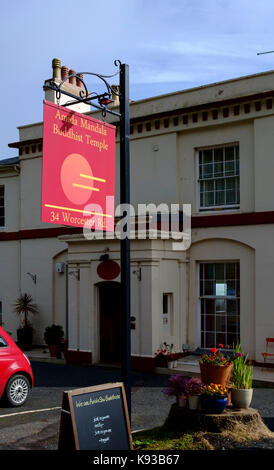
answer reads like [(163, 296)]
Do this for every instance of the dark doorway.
[(110, 321)]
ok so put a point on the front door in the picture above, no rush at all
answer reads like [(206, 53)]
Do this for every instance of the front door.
[(110, 321)]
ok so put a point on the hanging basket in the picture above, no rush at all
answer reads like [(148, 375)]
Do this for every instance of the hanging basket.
[(215, 374)]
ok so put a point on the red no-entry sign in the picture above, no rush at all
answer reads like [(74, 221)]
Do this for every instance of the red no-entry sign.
[(78, 179)]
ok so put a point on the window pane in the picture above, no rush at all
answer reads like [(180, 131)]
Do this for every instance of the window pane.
[(209, 288), (231, 270), (231, 196), (220, 271), (231, 307), (208, 185), (208, 157), (231, 288), (220, 306), (221, 289), (232, 339), (208, 170), (220, 184), (229, 153), (210, 322), (218, 155), (231, 324), (210, 340), (237, 152), (208, 270), (218, 169), (229, 168), (209, 198), (220, 198), (220, 323), (220, 338), (210, 306)]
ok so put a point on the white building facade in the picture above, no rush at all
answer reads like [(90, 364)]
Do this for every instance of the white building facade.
[(211, 147)]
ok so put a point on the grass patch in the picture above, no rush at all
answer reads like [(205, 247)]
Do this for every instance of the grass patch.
[(238, 437), (161, 439)]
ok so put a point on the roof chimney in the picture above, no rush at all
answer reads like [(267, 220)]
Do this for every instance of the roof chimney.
[(72, 86), (72, 80), (56, 69), (64, 72)]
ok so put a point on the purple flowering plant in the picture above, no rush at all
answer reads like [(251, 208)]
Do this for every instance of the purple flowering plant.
[(180, 385), (193, 386), (176, 385)]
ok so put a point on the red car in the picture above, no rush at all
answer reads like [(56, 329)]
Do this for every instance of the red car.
[(16, 376)]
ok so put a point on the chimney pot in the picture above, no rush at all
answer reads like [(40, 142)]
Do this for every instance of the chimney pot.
[(64, 72), (56, 68), (78, 82), (72, 80)]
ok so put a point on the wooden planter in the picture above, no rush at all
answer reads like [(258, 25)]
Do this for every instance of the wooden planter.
[(215, 374)]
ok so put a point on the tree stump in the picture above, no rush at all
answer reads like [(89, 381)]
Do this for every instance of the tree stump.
[(183, 420)]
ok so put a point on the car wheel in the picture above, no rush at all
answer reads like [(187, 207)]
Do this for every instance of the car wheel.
[(17, 390)]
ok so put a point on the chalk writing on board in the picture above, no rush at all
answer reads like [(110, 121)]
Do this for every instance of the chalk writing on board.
[(99, 428), (99, 418), (94, 401)]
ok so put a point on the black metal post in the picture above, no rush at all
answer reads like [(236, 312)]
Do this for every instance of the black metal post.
[(125, 243)]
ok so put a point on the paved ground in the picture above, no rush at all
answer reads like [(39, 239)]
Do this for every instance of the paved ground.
[(30, 429)]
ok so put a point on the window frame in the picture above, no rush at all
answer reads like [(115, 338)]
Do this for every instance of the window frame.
[(215, 207), (225, 298)]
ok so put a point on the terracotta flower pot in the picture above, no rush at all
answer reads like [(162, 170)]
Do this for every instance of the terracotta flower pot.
[(215, 374)]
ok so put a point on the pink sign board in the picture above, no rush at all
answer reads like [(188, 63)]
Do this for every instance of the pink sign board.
[(78, 178)]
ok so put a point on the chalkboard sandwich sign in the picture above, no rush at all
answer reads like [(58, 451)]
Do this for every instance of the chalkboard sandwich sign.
[(95, 418)]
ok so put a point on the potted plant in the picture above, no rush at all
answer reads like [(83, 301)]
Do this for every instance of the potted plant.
[(23, 307), (242, 375), (214, 398), (193, 388), (216, 367), (53, 336), (162, 355), (176, 386)]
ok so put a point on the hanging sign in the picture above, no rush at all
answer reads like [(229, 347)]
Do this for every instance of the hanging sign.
[(95, 418), (78, 177)]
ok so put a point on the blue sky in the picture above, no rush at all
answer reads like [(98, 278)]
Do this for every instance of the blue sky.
[(169, 45)]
